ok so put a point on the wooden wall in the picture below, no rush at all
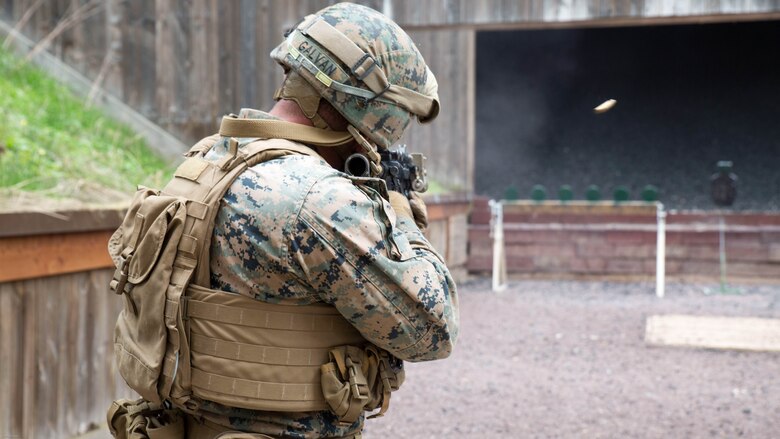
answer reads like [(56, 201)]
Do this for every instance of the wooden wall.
[(57, 377), (185, 63)]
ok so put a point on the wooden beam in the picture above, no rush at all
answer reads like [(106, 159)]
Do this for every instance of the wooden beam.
[(445, 210), (28, 257), (740, 333), (60, 221), (595, 22), (580, 207)]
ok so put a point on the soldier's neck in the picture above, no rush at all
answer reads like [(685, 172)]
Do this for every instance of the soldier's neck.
[(289, 111)]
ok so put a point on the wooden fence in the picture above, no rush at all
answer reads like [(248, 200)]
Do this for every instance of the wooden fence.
[(56, 323), (619, 242)]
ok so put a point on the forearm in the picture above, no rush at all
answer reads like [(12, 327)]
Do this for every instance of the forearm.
[(379, 271), (408, 307), (441, 331)]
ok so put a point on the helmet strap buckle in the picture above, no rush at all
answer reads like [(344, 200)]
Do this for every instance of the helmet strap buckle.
[(378, 95), (360, 70)]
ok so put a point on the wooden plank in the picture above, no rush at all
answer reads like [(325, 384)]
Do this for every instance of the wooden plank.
[(96, 331), (554, 207), (227, 64), (61, 221), (67, 295), (437, 236), (164, 57), (12, 359), (181, 66), (595, 22), (469, 107), (458, 240), (78, 355), (30, 257), (30, 365), (443, 210), (49, 318), (739, 333), (109, 72), (203, 84), (247, 60)]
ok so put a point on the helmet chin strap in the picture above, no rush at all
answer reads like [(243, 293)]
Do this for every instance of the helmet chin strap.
[(370, 150), (296, 89), (232, 126)]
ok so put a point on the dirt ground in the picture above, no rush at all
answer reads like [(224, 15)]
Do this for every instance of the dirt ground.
[(568, 359)]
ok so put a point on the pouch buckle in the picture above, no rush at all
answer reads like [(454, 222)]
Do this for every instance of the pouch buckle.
[(357, 380), (120, 276), (144, 408)]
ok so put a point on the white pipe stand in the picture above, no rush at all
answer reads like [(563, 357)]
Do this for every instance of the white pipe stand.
[(499, 255), (660, 252)]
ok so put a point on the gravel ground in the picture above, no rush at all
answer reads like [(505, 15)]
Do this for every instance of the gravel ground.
[(567, 359)]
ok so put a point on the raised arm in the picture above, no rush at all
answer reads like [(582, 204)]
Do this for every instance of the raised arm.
[(377, 270)]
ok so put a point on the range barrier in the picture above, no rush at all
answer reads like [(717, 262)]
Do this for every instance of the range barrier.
[(633, 208)]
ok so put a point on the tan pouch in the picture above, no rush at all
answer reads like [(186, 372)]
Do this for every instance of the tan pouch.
[(144, 249), (359, 379), (139, 419)]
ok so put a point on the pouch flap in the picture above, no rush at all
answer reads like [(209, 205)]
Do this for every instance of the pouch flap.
[(148, 249)]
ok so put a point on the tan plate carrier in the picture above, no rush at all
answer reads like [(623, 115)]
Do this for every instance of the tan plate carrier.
[(179, 341)]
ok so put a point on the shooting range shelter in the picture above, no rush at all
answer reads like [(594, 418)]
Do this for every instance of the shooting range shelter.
[(687, 96)]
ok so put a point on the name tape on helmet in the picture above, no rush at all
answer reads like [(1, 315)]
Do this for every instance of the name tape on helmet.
[(413, 101)]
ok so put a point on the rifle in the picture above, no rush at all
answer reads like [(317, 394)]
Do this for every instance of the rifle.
[(402, 172)]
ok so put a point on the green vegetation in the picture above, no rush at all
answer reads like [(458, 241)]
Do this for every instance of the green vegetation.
[(51, 142)]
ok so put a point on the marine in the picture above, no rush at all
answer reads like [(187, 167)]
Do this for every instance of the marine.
[(268, 293)]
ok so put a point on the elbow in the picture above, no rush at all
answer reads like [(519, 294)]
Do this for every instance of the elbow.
[(437, 344)]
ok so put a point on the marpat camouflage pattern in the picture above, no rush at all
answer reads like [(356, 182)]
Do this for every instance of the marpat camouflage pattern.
[(296, 231), (396, 53)]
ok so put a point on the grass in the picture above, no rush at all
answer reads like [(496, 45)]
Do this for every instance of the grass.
[(52, 143)]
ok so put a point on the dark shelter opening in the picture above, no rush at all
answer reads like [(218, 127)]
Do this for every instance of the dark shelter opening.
[(688, 96)]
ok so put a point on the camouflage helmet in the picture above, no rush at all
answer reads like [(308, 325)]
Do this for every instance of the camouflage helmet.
[(365, 66)]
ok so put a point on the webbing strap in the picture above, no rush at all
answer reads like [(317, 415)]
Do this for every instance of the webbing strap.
[(256, 353), (365, 68), (257, 318), (278, 129), (255, 389), (360, 63), (252, 151)]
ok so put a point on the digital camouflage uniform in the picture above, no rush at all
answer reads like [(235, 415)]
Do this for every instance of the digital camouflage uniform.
[(296, 231), (292, 231)]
